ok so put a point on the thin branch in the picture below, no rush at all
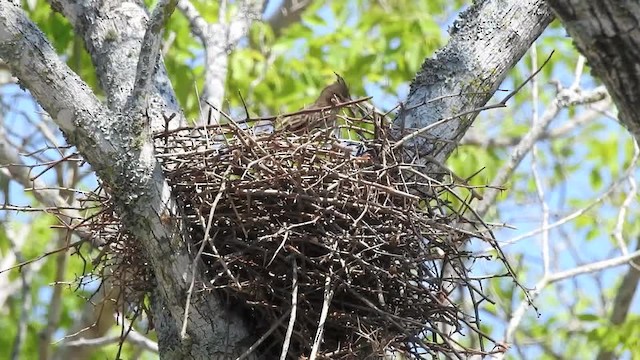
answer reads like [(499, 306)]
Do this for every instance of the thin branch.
[(187, 305), (593, 267), (552, 278), (21, 334), (55, 304), (564, 219), (474, 112), (534, 168), (133, 338), (218, 41), (328, 295), (199, 26), (578, 72), (264, 337), (294, 308), (631, 195), (517, 155), (593, 112)]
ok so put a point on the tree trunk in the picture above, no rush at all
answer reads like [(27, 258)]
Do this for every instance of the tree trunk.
[(119, 149), (486, 41), (606, 33)]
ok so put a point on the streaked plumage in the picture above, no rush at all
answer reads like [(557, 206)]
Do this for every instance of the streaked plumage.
[(335, 93)]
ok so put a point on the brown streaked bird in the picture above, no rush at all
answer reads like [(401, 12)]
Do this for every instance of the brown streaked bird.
[(336, 93)]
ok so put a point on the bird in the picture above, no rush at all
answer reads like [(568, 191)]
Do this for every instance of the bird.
[(337, 92)]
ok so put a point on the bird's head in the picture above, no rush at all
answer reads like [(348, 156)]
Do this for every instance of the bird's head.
[(336, 91)]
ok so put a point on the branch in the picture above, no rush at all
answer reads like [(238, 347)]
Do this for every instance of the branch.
[(150, 51), (25, 301), (622, 302), (603, 32), (218, 41), (95, 320), (134, 338), (17, 170), (113, 34), (199, 26), (469, 64), (552, 278), (125, 161), (629, 285), (523, 148), (596, 109)]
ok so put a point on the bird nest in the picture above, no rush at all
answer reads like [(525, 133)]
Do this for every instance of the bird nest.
[(337, 248)]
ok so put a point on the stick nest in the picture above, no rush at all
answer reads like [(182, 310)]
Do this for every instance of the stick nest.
[(339, 245)]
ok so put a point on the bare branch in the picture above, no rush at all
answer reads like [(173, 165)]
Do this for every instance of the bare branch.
[(476, 66), (544, 246), (218, 41), (565, 97), (599, 29), (516, 157), (629, 285), (552, 278), (622, 212), (16, 169), (113, 34), (594, 111), (150, 51), (124, 159), (134, 338), (55, 305), (25, 303), (199, 27)]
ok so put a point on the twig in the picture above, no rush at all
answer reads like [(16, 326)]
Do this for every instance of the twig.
[(631, 195), (328, 295), (187, 305), (294, 307), (544, 246), (42, 256), (264, 337), (150, 51)]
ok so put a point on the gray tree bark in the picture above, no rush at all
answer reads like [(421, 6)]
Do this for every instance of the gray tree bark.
[(119, 148), (486, 41), (607, 34)]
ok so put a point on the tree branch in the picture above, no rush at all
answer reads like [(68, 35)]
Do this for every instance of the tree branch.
[(123, 157), (594, 110), (559, 276), (218, 41), (600, 29), (469, 63), (530, 139), (150, 52), (133, 338), (113, 33), (18, 171), (622, 302)]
